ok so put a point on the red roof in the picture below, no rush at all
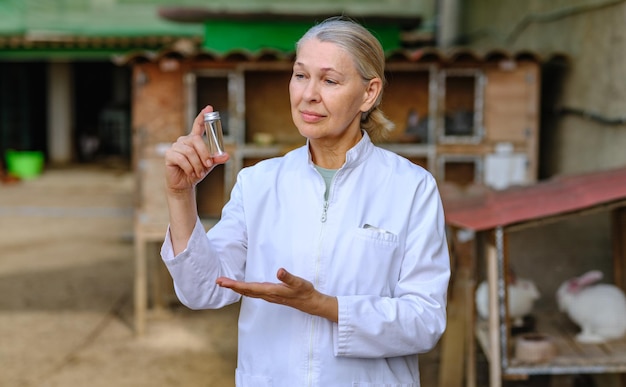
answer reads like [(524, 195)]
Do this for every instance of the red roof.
[(421, 55), (557, 196)]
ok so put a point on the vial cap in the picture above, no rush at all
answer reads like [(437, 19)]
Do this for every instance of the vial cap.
[(211, 116)]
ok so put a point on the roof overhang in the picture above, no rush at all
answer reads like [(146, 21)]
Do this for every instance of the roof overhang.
[(203, 15), (553, 198), (76, 47)]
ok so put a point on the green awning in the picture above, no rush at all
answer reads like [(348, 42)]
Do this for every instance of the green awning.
[(222, 36)]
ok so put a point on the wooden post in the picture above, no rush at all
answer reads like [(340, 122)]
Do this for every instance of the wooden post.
[(477, 250), (453, 341), (619, 246), (495, 372), (141, 283), (470, 326), (618, 218), (502, 247)]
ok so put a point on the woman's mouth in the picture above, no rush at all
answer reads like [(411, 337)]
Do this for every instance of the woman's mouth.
[(311, 117)]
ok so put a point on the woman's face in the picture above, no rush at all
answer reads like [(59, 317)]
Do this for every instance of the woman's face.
[(327, 93)]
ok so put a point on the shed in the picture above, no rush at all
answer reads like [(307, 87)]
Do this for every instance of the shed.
[(456, 111), (492, 216)]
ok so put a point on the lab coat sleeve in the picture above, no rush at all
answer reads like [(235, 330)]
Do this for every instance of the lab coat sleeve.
[(414, 318), (219, 252)]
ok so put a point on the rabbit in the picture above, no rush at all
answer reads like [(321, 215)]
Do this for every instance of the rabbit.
[(598, 309), (522, 294)]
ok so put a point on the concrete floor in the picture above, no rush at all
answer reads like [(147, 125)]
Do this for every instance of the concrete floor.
[(66, 287)]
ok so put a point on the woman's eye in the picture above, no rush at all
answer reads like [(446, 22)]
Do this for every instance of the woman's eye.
[(330, 82), (298, 76)]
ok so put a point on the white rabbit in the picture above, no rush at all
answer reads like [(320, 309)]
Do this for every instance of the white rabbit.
[(522, 294), (598, 309)]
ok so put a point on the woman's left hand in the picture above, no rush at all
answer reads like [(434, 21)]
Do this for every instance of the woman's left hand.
[(292, 291)]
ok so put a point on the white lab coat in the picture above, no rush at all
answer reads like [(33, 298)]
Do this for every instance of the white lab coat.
[(378, 244)]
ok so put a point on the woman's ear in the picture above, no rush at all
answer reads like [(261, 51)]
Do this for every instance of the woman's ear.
[(372, 91)]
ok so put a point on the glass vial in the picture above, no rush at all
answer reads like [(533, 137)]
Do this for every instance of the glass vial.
[(214, 135)]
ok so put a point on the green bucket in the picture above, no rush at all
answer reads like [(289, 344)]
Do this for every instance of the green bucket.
[(24, 164)]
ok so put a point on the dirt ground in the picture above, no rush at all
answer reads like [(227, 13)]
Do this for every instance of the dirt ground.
[(66, 285), (66, 294)]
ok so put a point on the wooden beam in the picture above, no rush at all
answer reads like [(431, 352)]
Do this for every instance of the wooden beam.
[(495, 371), (619, 246), (453, 341)]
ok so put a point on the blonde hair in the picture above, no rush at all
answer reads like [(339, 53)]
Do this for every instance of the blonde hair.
[(369, 60)]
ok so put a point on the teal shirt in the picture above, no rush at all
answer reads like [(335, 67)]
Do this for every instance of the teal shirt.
[(328, 175)]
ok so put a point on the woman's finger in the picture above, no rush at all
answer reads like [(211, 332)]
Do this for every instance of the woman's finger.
[(198, 123), (196, 152), (220, 159), (293, 282)]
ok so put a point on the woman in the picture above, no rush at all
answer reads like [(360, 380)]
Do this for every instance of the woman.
[(338, 248)]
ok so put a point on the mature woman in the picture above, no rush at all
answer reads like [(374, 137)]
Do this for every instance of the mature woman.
[(337, 250)]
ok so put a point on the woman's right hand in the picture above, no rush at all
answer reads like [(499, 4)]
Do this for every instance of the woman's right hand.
[(188, 161)]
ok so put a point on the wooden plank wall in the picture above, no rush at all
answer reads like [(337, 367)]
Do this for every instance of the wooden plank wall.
[(158, 105), (512, 109)]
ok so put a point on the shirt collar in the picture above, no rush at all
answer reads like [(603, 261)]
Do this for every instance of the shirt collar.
[(355, 155)]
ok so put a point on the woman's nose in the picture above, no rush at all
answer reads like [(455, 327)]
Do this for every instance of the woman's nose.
[(311, 91)]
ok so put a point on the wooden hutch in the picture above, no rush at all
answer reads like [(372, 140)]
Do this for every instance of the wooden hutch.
[(466, 116), (495, 217)]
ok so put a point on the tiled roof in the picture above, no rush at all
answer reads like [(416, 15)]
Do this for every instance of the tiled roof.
[(549, 198), (420, 55)]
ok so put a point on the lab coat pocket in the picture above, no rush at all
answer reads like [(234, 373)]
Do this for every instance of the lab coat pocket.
[(245, 380), (374, 246), (376, 254), (377, 235)]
